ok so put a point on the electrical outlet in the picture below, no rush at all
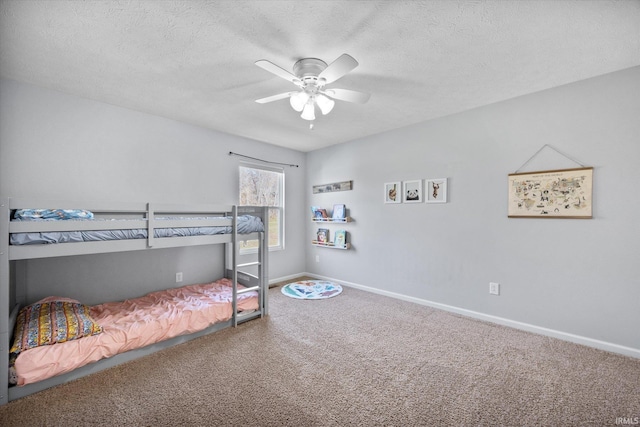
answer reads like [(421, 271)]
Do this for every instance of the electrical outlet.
[(178, 277), (317, 258), (494, 288)]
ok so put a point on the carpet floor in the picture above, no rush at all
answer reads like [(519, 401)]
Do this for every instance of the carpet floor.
[(358, 359)]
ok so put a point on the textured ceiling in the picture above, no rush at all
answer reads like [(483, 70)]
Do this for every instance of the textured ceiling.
[(193, 60)]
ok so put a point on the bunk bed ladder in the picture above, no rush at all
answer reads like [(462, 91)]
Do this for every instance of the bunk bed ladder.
[(260, 287), (5, 298)]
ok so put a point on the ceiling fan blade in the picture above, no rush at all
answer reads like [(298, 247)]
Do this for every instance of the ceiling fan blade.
[(348, 95), (338, 68), (274, 97), (278, 71)]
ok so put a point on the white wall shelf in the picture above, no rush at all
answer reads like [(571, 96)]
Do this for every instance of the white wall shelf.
[(330, 223), (332, 220), (330, 245)]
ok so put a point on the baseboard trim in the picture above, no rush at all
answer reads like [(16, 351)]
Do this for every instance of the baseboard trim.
[(565, 336), (289, 277)]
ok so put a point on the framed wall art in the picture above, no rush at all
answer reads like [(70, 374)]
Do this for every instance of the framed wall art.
[(565, 193), (412, 191), (335, 186), (393, 192), (436, 190)]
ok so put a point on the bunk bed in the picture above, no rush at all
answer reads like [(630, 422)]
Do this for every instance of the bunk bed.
[(33, 229)]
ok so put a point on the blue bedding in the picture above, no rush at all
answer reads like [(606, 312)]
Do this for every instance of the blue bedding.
[(52, 214), (246, 224)]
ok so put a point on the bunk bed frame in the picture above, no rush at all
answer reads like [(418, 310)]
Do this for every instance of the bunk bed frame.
[(138, 216)]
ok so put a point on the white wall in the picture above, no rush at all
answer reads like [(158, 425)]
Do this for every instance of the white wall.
[(574, 276), (58, 146), (578, 277)]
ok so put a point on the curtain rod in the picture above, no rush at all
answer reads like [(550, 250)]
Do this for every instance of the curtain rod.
[(231, 153)]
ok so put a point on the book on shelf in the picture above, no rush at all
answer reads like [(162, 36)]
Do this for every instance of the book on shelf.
[(340, 238), (320, 214), (339, 212), (322, 236)]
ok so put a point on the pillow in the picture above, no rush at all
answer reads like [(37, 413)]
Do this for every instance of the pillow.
[(52, 322), (53, 299), (52, 214)]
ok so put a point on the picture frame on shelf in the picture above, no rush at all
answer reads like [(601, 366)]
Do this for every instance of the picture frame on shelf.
[(562, 193), (322, 236), (340, 238), (436, 190), (412, 191), (392, 192), (339, 212)]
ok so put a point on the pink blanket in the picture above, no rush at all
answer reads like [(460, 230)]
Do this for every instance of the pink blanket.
[(135, 323)]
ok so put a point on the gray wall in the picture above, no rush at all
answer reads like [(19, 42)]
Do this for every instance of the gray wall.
[(57, 146), (578, 277), (574, 276)]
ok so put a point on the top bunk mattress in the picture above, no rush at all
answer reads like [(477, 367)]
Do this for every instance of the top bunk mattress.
[(246, 224)]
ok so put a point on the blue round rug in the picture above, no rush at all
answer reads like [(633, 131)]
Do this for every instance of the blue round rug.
[(312, 289)]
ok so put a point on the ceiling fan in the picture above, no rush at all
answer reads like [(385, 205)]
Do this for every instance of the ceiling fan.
[(311, 75)]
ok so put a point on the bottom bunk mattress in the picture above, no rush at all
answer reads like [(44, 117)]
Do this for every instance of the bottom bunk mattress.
[(115, 327)]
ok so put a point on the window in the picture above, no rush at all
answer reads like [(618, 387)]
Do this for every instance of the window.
[(263, 186)]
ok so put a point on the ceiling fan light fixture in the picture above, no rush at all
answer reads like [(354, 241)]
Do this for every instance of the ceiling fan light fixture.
[(311, 75), (325, 104), (298, 100), (308, 113)]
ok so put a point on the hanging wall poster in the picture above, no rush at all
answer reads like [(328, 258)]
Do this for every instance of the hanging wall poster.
[(565, 193)]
